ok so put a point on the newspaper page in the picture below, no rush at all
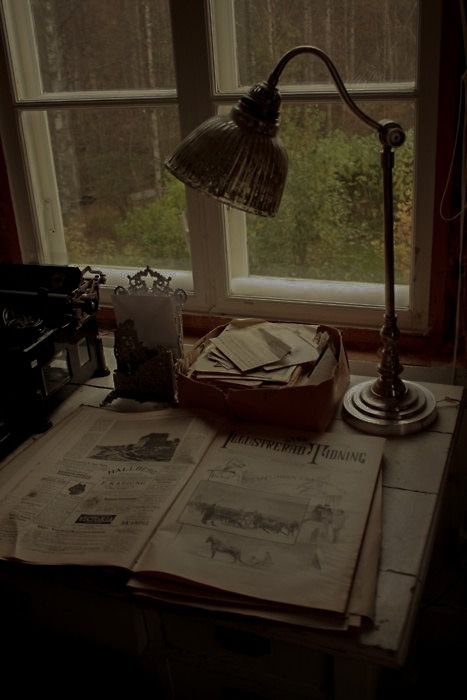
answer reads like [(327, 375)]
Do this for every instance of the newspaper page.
[(279, 518), (94, 489), (360, 607)]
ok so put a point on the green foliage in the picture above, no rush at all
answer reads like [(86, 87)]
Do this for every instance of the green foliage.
[(330, 224), (158, 228), (151, 234)]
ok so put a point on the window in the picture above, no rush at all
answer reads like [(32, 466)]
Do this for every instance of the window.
[(103, 90)]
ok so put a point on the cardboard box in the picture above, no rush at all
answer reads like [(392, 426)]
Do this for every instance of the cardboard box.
[(307, 403)]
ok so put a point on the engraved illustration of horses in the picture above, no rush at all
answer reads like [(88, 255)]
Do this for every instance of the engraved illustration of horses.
[(219, 547)]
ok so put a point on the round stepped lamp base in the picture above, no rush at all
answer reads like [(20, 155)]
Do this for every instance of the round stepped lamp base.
[(367, 412)]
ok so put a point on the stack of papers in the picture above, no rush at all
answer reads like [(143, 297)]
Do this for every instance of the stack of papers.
[(250, 353)]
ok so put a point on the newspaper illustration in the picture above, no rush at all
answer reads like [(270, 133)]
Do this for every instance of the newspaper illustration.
[(279, 518), (361, 603), (95, 493)]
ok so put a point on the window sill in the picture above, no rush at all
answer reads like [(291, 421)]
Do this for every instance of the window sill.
[(418, 353)]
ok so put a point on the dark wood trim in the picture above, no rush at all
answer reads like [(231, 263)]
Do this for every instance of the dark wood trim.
[(444, 268), (9, 246)]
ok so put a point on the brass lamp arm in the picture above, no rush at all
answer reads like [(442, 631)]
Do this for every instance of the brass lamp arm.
[(390, 133)]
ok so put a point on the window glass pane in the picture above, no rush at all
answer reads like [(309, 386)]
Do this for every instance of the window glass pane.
[(370, 41), (103, 44), (330, 222), (120, 206)]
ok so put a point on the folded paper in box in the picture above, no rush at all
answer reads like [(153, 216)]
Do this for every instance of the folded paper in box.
[(308, 401)]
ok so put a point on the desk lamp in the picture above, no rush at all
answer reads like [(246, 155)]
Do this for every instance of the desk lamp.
[(239, 160)]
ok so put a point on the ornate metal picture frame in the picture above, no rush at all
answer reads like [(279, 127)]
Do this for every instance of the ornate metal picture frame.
[(147, 373)]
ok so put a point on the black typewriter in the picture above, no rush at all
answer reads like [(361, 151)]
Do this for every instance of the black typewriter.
[(49, 343)]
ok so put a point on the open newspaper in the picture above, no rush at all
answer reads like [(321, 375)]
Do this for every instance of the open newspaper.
[(235, 515)]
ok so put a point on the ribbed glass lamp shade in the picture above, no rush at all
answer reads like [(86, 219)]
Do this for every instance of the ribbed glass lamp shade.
[(237, 158)]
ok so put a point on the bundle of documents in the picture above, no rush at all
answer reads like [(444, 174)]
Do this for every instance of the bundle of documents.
[(250, 353)]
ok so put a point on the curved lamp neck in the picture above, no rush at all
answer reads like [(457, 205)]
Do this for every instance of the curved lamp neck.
[(390, 133)]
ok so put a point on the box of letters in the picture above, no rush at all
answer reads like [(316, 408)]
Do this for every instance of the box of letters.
[(285, 373)]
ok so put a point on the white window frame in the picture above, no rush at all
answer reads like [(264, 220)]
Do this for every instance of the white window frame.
[(219, 282)]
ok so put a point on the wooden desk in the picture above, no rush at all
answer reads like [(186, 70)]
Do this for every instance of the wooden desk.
[(197, 654)]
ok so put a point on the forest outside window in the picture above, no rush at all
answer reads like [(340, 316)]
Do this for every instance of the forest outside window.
[(104, 89)]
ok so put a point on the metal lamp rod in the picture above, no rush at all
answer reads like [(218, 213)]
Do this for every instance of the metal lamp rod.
[(391, 135), (276, 73)]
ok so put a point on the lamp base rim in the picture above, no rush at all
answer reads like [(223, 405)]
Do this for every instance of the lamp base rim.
[(372, 414)]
